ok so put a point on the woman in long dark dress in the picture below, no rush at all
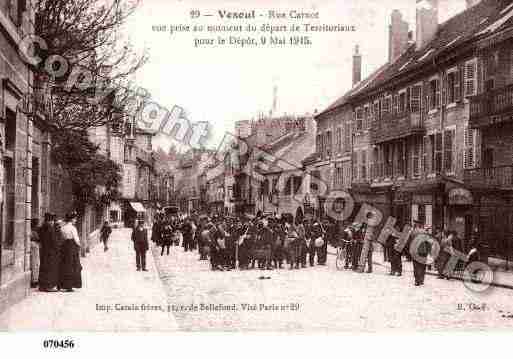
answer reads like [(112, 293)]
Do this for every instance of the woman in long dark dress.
[(71, 268), (49, 255)]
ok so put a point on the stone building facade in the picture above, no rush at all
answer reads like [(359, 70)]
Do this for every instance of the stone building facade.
[(430, 137), (25, 146)]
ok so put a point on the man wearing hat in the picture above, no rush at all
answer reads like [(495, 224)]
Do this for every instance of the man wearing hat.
[(140, 239), (419, 252)]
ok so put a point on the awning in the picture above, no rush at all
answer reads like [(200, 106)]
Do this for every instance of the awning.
[(137, 206)]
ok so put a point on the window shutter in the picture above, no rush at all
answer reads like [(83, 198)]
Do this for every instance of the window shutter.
[(477, 148), (469, 153), (470, 78), (457, 85)]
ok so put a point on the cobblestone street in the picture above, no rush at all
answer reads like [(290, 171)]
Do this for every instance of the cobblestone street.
[(328, 299)]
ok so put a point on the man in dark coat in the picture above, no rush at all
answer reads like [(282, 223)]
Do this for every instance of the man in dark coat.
[(166, 236), (419, 252), (49, 255), (105, 234), (140, 239), (396, 265), (187, 235), (156, 230)]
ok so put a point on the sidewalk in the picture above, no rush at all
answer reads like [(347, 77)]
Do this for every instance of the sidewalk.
[(502, 278), (109, 278)]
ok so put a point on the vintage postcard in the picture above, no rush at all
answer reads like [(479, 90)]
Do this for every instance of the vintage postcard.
[(256, 166)]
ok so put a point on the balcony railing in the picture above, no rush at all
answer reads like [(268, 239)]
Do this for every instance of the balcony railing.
[(396, 126), (380, 172), (492, 107), (493, 177)]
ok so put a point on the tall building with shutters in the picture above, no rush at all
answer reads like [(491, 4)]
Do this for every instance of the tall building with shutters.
[(431, 139)]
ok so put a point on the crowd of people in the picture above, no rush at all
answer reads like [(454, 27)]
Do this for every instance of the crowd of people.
[(276, 242), (268, 242), (55, 254)]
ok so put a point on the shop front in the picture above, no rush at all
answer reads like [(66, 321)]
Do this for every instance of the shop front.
[(460, 206)]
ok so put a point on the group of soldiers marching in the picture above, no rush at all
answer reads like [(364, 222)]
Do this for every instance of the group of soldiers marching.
[(269, 242)]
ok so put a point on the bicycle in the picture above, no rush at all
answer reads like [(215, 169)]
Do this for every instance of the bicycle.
[(342, 253)]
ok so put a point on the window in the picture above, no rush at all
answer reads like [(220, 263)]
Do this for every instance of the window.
[(10, 129), (318, 146), (402, 159), (359, 119), (364, 165), (471, 148), (437, 158), (417, 144), (402, 102), (396, 104), (355, 165), (347, 137), (367, 118), (425, 149), (387, 103), (328, 148), (452, 83), (434, 94), (449, 150), (389, 161), (415, 98), (376, 114), (9, 205), (339, 139), (470, 78)]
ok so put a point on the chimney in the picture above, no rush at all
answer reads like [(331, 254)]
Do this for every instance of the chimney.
[(427, 22), (471, 3), (357, 65), (398, 36)]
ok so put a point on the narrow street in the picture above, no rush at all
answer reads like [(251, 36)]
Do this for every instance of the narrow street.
[(311, 299), (328, 299)]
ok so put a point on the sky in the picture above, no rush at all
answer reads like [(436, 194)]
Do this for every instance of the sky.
[(223, 85)]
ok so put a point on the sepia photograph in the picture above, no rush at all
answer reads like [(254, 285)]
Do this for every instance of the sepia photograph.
[(256, 166)]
